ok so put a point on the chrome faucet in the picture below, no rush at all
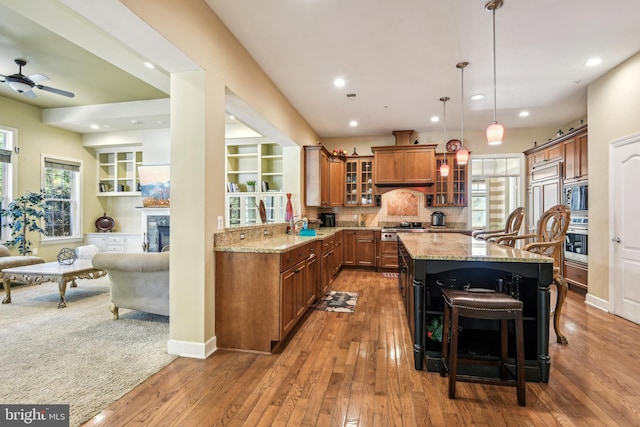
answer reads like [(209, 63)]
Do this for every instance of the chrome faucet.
[(292, 223)]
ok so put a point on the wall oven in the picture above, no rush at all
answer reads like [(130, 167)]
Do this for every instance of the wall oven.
[(576, 241)]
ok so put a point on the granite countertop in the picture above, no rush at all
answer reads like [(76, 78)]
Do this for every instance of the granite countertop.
[(459, 247), (280, 243)]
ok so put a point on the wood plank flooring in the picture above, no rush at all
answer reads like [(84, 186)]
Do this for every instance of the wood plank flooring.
[(343, 369)]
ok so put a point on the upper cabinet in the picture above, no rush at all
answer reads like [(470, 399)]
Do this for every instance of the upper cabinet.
[(451, 190), (404, 165), (576, 158), (359, 181), (118, 171), (323, 177)]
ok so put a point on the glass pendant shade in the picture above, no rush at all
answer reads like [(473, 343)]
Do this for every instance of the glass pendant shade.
[(495, 132), (444, 169), (462, 156)]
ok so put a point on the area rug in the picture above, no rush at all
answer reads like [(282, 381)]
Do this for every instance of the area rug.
[(342, 302), (390, 275), (76, 355)]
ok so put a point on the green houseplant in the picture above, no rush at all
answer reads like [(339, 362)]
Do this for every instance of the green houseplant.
[(251, 185), (24, 215)]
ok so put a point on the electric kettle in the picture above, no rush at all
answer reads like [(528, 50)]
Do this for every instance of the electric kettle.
[(437, 219)]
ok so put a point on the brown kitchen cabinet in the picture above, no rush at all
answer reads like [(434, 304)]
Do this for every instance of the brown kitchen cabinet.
[(359, 189), (327, 261), (336, 181), (389, 254), (547, 155), (404, 165), (338, 245), (260, 297), (576, 158), (450, 190), (577, 275), (359, 248)]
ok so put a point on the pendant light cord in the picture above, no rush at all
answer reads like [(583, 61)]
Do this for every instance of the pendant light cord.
[(495, 101)]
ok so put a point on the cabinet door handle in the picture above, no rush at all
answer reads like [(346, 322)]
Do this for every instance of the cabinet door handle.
[(298, 270), (616, 240), (290, 259)]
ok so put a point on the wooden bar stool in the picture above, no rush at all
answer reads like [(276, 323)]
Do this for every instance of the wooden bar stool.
[(485, 305)]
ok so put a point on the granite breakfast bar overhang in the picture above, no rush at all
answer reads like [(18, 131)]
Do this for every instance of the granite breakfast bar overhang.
[(438, 257)]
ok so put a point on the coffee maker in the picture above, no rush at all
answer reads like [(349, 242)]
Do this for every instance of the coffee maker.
[(328, 219)]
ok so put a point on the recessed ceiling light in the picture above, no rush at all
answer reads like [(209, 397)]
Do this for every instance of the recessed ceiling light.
[(435, 119), (339, 82), (524, 114), (135, 122), (353, 123), (593, 62), (94, 126), (477, 97), (149, 65), (232, 117)]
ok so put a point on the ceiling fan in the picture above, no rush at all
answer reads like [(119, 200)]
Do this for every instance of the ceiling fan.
[(24, 84)]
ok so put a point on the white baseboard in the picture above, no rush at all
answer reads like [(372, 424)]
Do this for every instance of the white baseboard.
[(597, 302), (192, 349)]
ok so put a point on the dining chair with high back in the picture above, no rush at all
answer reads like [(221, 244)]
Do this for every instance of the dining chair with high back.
[(511, 228), (549, 241)]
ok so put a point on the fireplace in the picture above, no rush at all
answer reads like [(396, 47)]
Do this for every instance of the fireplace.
[(156, 229), (163, 237)]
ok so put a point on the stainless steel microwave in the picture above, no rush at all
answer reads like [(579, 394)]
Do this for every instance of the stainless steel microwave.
[(576, 197)]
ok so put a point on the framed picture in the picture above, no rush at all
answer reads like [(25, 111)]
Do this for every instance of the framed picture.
[(155, 186)]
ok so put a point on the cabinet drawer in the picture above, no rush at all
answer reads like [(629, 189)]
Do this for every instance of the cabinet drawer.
[(115, 239), (115, 248), (327, 244), (577, 274), (294, 256)]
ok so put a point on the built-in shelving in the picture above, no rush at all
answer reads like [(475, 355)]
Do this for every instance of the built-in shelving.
[(118, 171)]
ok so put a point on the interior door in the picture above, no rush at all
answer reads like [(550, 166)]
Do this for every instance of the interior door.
[(626, 231)]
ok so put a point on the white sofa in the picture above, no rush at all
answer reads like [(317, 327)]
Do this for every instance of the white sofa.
[(138, 281)]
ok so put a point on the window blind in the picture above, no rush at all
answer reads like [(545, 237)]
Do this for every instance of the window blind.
[(5, 156), (61, 164)]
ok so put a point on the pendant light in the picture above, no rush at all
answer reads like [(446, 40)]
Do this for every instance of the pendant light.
[(444, 167), (495, 131), (462, 155)]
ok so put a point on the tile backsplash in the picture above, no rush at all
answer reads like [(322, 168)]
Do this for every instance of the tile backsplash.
[(397, 206)]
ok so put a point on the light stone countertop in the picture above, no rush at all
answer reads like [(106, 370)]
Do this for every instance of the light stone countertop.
[(282, 242), (460, 247)]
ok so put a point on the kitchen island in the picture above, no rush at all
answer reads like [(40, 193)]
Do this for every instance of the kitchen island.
[(429, 261)]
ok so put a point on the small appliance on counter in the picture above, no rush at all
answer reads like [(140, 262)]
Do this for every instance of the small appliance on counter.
[(438, 219), (328, 219)]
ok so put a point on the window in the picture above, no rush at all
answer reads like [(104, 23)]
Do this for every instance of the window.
[(6, 172), (495, 189), (61, 187)]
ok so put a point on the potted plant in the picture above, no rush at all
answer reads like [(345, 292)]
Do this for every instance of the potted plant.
[(24, 214), (251, 186)]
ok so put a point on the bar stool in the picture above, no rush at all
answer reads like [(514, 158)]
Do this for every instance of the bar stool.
[(485, 305)]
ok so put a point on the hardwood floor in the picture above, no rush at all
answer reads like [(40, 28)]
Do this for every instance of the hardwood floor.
[(356, 369)]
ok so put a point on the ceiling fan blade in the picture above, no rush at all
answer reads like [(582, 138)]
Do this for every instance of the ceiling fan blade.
[(57, 91), (38, 77), (29, 94)]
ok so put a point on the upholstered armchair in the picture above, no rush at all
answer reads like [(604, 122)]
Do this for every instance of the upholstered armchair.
[(138, 281), (511, 228)]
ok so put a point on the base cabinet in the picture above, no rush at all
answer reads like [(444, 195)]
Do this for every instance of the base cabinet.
[(260, 297), (359, 248), (389, 254), (115, 242), (577, 274)]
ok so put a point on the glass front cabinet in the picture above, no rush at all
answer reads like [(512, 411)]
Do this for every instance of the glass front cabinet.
[(452, 189), (359, 181)]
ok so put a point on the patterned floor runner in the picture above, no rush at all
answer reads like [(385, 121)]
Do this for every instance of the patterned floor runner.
[(390, 275), (342, 302)]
